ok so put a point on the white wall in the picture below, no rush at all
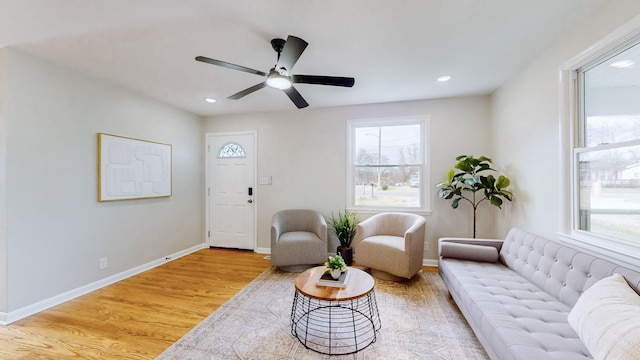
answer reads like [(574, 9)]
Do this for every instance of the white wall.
[(3, 192), (305, 153), (526, 121), (56, 229)]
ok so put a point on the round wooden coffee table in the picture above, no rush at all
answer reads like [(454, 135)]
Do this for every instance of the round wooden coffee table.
[(332, 320)]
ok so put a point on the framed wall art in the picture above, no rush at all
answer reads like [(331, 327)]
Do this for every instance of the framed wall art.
[(131, 168)]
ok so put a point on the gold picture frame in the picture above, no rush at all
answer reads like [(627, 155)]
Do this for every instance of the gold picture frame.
[(130, 168)]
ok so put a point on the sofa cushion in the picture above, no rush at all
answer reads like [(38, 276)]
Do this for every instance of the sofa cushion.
[(563, 272), (607, 319), (513, 318), (469, 252)]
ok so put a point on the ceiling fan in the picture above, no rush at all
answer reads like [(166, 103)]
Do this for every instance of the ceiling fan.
[(280, 76)]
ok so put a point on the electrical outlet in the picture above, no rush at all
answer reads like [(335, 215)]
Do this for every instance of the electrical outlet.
[(103, 263)]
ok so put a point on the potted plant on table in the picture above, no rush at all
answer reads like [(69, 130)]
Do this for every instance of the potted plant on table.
[(335, 266), (466, 184), (344, 228)]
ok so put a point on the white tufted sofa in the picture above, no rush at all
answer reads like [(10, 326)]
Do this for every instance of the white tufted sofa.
[(516, 293)]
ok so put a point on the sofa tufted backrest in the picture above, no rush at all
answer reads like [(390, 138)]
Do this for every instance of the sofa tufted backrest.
[(557, 269)]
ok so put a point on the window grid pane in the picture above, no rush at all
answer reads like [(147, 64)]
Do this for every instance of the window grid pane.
[(391, 193), (609, 195), (607, 162), (387, 165)]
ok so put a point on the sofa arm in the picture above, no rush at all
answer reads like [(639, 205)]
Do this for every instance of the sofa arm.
[(486, 250)]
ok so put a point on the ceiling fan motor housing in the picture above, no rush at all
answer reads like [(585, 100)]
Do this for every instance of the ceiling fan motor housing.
[(278, 44)]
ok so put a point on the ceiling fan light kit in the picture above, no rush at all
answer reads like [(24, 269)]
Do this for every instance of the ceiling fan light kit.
[(280, 76), (278, 81)]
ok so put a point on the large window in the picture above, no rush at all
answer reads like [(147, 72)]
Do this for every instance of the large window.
[(606, 159), (387, 164)]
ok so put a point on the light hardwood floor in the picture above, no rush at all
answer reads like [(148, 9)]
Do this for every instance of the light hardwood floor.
[(137, 318)]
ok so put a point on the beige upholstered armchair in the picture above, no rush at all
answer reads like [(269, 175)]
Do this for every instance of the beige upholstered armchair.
[(391, 242), (298, 239)]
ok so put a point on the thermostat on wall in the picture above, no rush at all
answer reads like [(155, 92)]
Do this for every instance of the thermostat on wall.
[(265, 180)]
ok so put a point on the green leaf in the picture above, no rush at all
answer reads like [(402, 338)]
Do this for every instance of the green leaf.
[(484, 158), (455, 202), (485, 167), (496, 201), (502, 182), (450, 175), (464, 166), (487, 181), (474, 162), (507, 194)]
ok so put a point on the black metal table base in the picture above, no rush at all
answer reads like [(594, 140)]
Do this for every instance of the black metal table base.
[(335, 327)]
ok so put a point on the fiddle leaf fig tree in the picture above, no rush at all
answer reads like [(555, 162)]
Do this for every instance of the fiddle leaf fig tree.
[(470, 184)]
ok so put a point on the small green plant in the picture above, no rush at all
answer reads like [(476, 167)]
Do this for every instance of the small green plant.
[(335, 263), (344, 227), (465, 185)]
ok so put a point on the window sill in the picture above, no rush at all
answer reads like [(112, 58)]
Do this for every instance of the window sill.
[(373, 211), (623, 253)]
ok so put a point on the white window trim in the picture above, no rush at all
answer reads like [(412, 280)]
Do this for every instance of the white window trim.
[(425, 178), (616, 249)]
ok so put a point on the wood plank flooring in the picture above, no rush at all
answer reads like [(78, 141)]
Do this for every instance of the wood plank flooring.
[(137, 318)]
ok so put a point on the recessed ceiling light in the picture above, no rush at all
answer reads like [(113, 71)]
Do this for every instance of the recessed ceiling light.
[(210, 100), (623, 64), (444, 78)]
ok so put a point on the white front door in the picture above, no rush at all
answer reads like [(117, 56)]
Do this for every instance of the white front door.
[(231, 190)]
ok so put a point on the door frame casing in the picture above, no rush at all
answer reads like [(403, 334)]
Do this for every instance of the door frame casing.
[(207, 189)]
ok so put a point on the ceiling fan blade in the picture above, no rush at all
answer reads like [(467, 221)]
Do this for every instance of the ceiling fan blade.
[(247, 91), (293, 48), (295, 96), (229, 65), (324, 80)]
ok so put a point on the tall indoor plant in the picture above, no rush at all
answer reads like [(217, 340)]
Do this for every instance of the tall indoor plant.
[(344, 228), (465, 184)]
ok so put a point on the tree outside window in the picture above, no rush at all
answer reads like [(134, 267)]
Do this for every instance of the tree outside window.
[(387, 164)]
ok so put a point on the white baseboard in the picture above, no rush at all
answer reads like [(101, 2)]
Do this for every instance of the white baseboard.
[(263, 250), (12, 316), (430, 262)]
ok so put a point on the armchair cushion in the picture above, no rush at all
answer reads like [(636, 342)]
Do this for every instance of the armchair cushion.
[(392, 243), (298, 237)]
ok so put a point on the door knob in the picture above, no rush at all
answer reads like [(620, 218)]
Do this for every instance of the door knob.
[(250, 201)]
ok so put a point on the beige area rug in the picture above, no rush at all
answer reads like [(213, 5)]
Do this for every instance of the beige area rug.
[(418, 319)]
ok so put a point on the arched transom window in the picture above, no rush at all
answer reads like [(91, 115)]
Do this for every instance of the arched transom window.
[(231, 150)]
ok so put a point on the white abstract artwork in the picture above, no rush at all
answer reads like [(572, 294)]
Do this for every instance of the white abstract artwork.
[(132, 168)]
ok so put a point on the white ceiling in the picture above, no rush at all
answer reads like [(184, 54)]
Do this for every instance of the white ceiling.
[(394, 49)]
